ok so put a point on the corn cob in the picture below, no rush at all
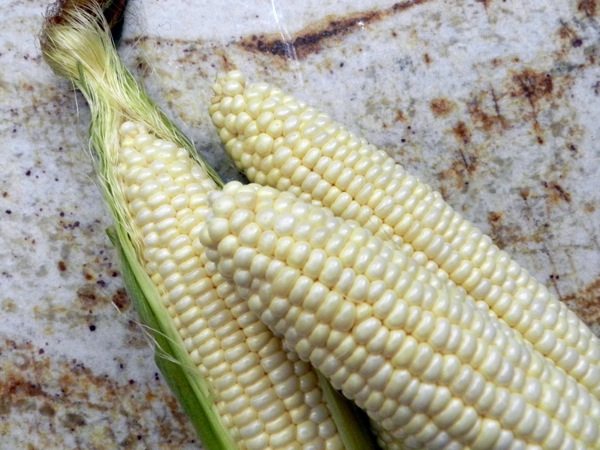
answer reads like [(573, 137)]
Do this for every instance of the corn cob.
[(239, 385), (264, 393), (428, 364), (279, 141)]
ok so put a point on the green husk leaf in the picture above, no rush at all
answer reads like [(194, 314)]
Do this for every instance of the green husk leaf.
[(352, 422), (76, 42), (185, 382)]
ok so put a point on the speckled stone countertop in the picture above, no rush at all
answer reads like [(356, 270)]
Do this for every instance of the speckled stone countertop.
[(493, 102)]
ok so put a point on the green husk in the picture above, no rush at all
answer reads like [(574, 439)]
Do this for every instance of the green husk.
[(191, 392), (352, 422), (76, 43)]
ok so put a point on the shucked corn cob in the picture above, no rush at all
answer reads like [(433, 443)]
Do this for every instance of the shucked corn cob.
[(157, 188), (279, 141), (429, 365)]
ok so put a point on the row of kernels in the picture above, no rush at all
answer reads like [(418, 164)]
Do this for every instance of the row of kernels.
[(312, 324), (474, 281), (186, 308), (232, 340), (414, 230)]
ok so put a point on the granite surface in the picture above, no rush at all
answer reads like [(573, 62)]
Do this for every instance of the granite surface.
[(494, 103)]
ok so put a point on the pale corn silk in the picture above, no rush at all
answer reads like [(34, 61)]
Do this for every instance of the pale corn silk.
[(265, 395)]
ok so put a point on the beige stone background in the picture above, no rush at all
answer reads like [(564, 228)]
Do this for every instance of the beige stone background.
[(493, 102)]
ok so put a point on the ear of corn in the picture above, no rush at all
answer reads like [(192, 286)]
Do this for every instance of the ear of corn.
[(239, 385), (429, 365), (191, 395), (279, 141)]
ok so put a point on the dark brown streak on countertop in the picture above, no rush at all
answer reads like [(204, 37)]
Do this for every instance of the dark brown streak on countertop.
[(309, 39), (556, 195), (485, 113), (533, 86)]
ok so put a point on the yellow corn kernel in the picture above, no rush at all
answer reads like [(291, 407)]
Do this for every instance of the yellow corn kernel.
[(331, 166), (486, 387), (249, 390)]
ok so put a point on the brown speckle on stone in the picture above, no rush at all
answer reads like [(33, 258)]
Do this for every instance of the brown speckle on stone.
[(441, 107)]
